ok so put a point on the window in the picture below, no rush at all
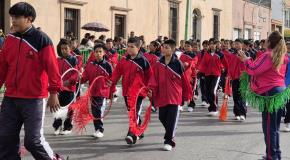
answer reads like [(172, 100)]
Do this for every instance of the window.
[(71, 21), (2, 3), (120, 21), (257, 36), (216, 23), (196, 24), (173, 21), (247, 34), (236, 33)]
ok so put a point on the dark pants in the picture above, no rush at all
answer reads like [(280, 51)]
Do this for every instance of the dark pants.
[(138, 113), (65, 97), (168, 116), (240, 108), (211, 83), (222, 82), (271, 126), (287, 113), (202, 84), (98, 107), (14, 113), (193, 85)]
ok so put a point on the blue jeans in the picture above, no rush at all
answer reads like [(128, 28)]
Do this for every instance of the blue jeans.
[(271, 126)]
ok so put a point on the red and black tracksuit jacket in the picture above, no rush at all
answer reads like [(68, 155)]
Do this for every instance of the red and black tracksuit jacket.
[(28, 64), (130, 70), (152, 57), (213, 63), (112, 57), (189, 60), (95, 69), (169, 83), (65, 64), (236, 66), (77, 54)]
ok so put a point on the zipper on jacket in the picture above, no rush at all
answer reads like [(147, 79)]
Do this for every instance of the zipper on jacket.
[(19, 48)]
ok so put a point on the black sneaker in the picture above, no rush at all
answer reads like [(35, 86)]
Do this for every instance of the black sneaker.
[(141, 136), (129, 140)]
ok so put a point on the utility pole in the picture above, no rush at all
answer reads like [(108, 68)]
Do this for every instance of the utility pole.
[(186, 21)]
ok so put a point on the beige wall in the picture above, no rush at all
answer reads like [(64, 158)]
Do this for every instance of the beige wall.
[(250, 18), (206, 6), (142, 17)]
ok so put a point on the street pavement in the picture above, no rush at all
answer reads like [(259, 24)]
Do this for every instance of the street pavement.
[(198, 138)]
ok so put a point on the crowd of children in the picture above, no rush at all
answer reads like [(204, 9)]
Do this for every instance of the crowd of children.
[(174, 80)]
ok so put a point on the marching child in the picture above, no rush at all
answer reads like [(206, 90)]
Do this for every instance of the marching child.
[(133, 66), (287, 81), (212, 63), (67, 95), (189, 60), (100, 90), (169, 88)]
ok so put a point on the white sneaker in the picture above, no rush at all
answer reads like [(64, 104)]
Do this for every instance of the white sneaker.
[(57, 132), (167, 147), (204, 103), (98, 134), (287, 127), (190, 109), (243, 118), (66, 132), (238, 118), (213, 114), (180, 108)]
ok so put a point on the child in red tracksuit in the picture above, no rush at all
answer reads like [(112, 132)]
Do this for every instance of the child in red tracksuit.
[(235, 69), (133, 66), (66, 96), (212, 63), (100, 90), (153, 56), (111, 54), (169, 88), (154, 53), (201, 73), (189, 60)]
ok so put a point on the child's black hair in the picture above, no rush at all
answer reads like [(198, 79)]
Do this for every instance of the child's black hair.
[(155, 44), (109, 40), (62, 41), (100, 45), (92, 37), (23, 9), (215, 41), (205, 42), (189, 42), (136, 41), (247, 42), (171, 43), (239, 40)]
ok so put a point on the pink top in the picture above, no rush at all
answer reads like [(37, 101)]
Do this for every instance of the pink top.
[(263, 76)]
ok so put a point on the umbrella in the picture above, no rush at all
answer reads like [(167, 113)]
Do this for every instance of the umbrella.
[(95, 26)]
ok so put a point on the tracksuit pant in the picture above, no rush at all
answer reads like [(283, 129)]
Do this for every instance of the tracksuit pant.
[(14, 113), (193, 85), (211, 83), (287, 113), (168, 116), (98, 105), (240, 108), (138, 113), (65, 97), (203, 90), (271, 126)]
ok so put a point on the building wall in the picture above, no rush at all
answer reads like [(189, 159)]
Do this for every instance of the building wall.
[(142, 17), (206, 9), (247, 15)]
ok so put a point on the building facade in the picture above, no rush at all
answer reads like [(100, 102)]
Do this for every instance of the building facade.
[(277, 15), (251, 19), (178, 19)]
